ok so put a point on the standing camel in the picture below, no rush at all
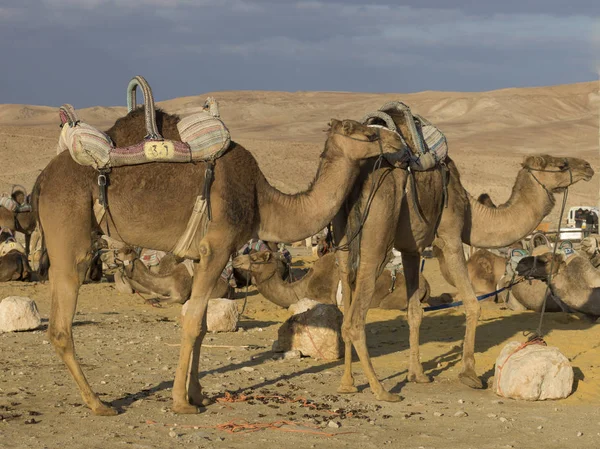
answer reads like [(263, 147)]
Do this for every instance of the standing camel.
[(372, 224), (150, 205)]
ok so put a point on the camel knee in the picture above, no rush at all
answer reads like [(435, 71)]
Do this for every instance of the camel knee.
[(60, 339)]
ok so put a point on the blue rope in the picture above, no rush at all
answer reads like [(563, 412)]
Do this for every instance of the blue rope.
[(459, 303)]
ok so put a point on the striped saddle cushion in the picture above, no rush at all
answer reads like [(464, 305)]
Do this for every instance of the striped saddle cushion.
[(203, 136)]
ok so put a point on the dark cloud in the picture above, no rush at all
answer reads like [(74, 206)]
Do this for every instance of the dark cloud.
[(85, 51)]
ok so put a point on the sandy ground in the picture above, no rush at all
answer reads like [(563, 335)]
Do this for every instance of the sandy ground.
[(129, 352), (128, 349)]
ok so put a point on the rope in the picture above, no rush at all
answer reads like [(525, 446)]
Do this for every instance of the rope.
[(538, 332), (460, 303)]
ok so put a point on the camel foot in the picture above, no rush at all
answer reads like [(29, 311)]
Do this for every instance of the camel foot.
[(347, 389), (387, 396), (200, 400), (185, 409), (104, 410), (419, 378), (470, 379)]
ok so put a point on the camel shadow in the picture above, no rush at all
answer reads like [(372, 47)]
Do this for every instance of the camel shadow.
[(391, 336)]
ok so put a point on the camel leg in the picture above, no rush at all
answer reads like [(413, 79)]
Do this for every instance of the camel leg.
[(194, 389), (411, 264), (65, 280), (194, 326), (347, 382), (457, 266), (353, 328)]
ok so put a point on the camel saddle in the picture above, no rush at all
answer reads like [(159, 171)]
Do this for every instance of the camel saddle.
[(426, 142), (204, 137)]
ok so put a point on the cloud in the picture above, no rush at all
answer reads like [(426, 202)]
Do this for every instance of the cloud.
[(85, 51)]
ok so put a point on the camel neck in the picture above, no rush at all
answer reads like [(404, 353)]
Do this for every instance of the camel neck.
[(495, 227), (289, 218), (284, 293)]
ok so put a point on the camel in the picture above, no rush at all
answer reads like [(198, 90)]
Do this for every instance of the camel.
[(320, 283), (370, 224), (574, 279), (18, 221), (151, 203), (172, 283), (13, 260)]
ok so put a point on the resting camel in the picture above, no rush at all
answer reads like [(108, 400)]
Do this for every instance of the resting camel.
[(172, 282), (574, 279), (143, 213), (23, 222), (393, 220), (13, 260), (320, 283)]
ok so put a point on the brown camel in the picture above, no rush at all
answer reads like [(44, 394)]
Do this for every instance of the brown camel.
[(320, 283), (574, 279), (393, 220), (13, 260), (172, 282), (143, 213), (16, 221)]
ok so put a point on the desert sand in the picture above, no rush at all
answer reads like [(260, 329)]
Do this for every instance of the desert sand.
[(129, 349)]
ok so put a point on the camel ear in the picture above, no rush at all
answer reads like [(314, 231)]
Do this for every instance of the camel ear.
[(535, 162), (349, 127)]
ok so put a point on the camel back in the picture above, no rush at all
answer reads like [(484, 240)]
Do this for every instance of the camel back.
[(426, 142), (204, 137)]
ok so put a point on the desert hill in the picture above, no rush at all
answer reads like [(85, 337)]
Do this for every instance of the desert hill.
[(488, 132)]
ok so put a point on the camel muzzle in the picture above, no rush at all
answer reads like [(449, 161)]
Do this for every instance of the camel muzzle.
[(532, 268)]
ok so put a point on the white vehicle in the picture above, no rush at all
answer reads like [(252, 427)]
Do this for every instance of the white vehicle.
[(571, 222)]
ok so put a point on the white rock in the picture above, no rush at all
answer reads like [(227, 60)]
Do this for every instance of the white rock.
[(18, 313), (533, 373), (315, 333), (303, 305), (461, 414), (222, 315)]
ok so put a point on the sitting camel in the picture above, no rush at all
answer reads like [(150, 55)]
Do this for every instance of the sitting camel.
[(19, 220), (13, 260), (171, 283), (574, 279), (243, 205), (320, 283)]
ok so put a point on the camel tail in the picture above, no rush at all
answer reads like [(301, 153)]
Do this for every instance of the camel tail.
[(44, 263)]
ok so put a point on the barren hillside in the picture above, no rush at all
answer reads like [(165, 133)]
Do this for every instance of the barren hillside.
[(488, 132)]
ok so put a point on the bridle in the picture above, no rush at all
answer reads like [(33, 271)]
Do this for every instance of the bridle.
[(567, 167)]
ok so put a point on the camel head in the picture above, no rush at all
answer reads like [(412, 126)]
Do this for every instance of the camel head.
[(125, 256), (262, 265), (357, 141), (558, 173), (538, 267), (19, 196)]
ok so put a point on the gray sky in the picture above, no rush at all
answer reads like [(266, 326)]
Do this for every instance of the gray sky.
[(85, 51)]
